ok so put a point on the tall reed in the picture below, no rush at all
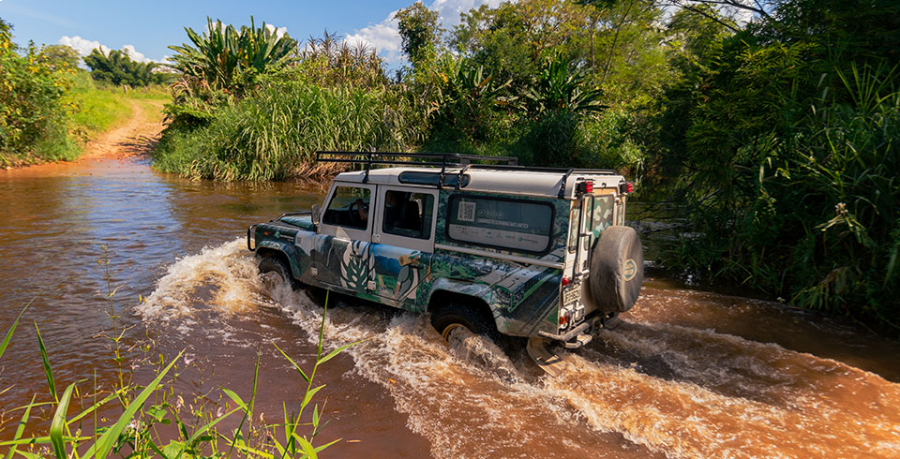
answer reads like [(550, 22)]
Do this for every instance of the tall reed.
[(274, 134)]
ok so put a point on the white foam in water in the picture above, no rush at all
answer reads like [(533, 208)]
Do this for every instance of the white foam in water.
[(229, 273), (712, 395)]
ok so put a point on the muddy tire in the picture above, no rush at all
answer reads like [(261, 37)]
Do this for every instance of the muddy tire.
[(275, 264), (617, 270), (453, 315)]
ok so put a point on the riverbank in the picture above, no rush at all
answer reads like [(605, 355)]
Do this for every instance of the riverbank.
[(100, 118)]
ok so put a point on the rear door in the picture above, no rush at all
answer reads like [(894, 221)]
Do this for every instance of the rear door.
[(403, 243)]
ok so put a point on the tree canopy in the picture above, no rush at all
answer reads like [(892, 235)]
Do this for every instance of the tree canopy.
[(118, 68)]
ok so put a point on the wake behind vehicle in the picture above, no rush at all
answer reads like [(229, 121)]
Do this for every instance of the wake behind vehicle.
[(478, 242)]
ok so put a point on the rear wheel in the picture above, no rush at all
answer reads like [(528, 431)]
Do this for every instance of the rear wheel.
[(276, 265), (453, 316)]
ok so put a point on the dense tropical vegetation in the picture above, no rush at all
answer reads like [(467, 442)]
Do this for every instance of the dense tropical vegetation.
[(770, 126)]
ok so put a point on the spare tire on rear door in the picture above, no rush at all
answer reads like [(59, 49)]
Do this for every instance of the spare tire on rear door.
[(617, 270)]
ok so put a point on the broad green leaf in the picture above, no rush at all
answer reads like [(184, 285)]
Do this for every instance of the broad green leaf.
[(309, 395), (47, 371), (93, 407), (315, 419), (307, 447), (59, 423), (234, 397), (326, 445)]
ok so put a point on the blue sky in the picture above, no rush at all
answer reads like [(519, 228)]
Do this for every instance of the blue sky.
[(147, 28)]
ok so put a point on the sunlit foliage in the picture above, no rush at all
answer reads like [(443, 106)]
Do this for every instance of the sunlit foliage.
[(117, 67)]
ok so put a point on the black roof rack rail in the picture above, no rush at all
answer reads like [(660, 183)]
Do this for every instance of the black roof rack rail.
[(442, 160)]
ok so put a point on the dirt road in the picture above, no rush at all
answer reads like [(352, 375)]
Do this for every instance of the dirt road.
[(136, 137), (131, 140)]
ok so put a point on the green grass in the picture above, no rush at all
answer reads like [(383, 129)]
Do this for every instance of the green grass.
[(95, 109), (274, 134), (157, 93)]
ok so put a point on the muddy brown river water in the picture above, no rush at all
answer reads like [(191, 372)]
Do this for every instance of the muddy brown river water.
[(687, 374)]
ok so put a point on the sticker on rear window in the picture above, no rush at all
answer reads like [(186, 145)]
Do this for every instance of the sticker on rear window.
[(466, 212)]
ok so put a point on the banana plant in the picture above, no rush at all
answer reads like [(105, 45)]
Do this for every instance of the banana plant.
[(224, 57), (562, 86), (465, 96)]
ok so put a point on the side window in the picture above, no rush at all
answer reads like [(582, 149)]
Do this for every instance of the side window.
[(348, 207), (408, 214), (574, 216), (503, 223)]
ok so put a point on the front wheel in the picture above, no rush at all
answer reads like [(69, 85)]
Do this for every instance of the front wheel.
[(276, 265), (453, 316)]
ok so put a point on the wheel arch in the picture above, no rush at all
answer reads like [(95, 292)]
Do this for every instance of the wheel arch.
[(441, 297), (263, 252)]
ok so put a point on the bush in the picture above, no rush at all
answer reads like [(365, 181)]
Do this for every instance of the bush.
[(32, 115), (274, 134)]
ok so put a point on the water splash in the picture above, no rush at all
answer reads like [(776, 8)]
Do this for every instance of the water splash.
[(223, 278), (649, 388)]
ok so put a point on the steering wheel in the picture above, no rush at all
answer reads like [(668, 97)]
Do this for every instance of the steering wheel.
[(353, 211)]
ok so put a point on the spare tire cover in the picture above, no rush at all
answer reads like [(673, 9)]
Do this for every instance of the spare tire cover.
[(617, 270)]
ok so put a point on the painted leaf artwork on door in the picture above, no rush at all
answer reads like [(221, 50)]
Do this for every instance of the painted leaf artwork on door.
[(353, 266)]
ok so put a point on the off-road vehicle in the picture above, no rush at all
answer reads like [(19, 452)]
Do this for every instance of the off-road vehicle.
[(478, 242)]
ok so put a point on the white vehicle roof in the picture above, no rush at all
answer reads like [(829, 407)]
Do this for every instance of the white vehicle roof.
[(505, 181)]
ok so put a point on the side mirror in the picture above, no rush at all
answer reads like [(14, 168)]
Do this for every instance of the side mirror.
[(316, 213)]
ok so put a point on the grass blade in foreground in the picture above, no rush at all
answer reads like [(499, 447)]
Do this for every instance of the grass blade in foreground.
[(51, 384), (106, 442), (12, 329), (21, 429), (59, 421)]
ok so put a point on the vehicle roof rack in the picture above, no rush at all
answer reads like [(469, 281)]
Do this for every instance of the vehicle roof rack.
[(442, 160)]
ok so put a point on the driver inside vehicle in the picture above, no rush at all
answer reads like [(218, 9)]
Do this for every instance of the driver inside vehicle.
[(362, 210), (393, 210), (348, 207)]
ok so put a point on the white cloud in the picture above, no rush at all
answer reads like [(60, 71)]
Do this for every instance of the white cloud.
[(278, 31), (385, 36), (134, 54), (83, 46)]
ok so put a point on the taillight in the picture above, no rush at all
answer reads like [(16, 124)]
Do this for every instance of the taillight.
[(565, 282), (564, 319), (626, 187), (586, 186)]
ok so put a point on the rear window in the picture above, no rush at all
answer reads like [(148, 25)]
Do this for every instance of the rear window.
[(502, 223)]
